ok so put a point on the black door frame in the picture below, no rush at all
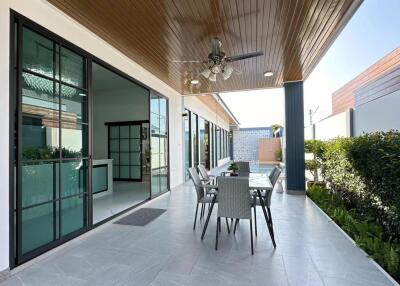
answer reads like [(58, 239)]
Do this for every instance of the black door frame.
[(17, 21)]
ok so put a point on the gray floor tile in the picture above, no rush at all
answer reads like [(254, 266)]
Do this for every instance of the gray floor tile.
[(310, 251)]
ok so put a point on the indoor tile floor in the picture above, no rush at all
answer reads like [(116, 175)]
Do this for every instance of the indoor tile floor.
[(311, 250)]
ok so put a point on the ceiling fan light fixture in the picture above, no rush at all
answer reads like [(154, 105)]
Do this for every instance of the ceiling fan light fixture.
[(206, 73), (213, 77), (268, 73)]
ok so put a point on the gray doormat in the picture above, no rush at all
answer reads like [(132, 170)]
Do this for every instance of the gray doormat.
[(141, 217)]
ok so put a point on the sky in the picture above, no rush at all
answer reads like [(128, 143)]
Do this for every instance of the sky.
[(373, 32)]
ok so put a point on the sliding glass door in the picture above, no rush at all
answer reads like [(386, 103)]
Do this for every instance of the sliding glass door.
[(159, 144), (52, 157)]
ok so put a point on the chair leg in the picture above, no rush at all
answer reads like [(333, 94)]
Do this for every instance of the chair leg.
[(216, 235), (270, 221), (236, 223), (195, 217), (227, 225), (202, 210), (208, 218), (219, 227), (255, 219), (251, 236)]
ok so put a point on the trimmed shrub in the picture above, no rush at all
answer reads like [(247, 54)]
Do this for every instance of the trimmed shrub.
[(365, 173)]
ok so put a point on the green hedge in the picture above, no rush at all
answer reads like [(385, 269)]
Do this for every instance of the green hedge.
[(365, 173)]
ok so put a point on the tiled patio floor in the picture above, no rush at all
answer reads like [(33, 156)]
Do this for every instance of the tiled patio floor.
[(310, 251)]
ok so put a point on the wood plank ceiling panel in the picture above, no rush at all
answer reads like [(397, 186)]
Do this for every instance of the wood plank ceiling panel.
[(292, 34)]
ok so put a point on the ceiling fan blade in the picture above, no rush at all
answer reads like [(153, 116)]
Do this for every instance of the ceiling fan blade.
[(245, 56), (206, 73), (183, 62), (213, 77)]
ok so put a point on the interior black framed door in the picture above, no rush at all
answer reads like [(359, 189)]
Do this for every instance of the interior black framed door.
[(125, 148)]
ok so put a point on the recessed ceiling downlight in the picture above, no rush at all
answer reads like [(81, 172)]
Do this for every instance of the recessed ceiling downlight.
[(268, 73)]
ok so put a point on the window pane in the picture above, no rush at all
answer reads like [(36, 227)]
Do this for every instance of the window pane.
[(155, 123), (73, 105), (114, 132), (154, 106), (135, 172), (124, 172), (73, 214), (114, 145), (135, 131), (124, 131), (124, 159), (74, 141), (115, 171), (38, 226), (38, 53), (163, 179), (40, 105), (124, 145), (163, 107), (39, 183), (73, 68), (115, 157), (100, 176), (135, 158), (73, 177), (163, 125), (135, 144)]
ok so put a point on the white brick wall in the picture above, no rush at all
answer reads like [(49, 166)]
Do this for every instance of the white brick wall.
[(246, 141)]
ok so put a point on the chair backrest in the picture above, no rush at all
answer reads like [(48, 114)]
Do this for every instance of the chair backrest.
[(203, 172), (197, 183), (234, 197), (244, 167), (273, 176)]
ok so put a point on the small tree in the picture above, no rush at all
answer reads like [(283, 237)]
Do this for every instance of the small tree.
[(316, 148), (275, 127)]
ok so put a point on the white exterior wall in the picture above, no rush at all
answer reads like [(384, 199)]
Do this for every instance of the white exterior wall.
[(338, 125), (54, 20), (197, 106)]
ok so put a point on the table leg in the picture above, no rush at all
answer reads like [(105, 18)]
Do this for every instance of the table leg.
[(271, 234), (208, 217)]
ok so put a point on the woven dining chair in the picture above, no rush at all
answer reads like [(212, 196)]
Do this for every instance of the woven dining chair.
[(244, 167), (273, 176), (234, 201), (201, 198), (204, 174)]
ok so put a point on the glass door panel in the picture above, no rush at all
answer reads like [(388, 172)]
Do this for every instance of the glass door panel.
[(159, 145), (54, 135)]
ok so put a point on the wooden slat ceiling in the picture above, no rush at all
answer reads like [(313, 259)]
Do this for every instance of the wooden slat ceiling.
[(293, 34)]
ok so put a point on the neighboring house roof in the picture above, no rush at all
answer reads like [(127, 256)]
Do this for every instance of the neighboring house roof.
[(380, 79)]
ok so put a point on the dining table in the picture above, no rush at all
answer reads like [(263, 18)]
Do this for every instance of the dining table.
[(258, 183)]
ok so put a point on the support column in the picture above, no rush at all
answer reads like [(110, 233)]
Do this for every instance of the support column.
[(294, 135)]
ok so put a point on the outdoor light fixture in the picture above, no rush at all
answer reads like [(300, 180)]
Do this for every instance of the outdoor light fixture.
[(194, 81), (268, 73)]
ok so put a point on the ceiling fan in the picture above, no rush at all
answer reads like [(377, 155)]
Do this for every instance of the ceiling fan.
[(219, 63)]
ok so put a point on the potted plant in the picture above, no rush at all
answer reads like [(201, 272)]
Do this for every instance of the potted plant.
[(316, 149), (233, 168), (278, 154)]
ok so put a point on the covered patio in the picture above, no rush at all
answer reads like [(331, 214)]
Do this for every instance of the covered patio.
[(311, 250)]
